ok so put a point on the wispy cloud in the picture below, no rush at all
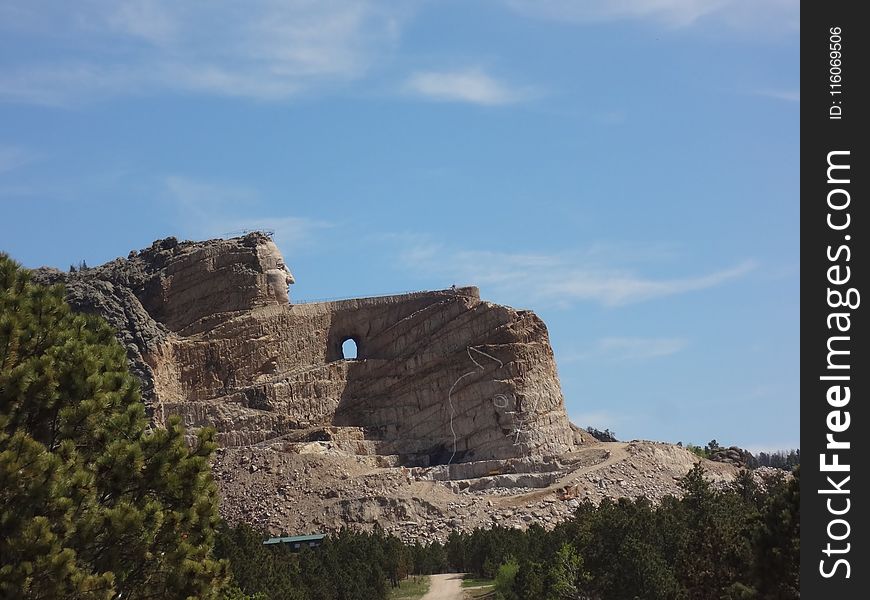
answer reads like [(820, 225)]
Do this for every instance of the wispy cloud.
[(69, 83), (786, 95), (209, 209), (203, 199), (618, 288), (472, 86), (674, 12), (263, 49), (783, 14), (563, 279), (620, 349), (13, 157)]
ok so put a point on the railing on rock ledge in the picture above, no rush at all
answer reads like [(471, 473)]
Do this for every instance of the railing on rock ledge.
[(456, 290)]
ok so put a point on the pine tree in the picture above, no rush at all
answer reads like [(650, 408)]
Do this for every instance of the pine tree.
[(717, 551), (505, 579), (566, 576), (456, 551), (93, 503), (778, 546)]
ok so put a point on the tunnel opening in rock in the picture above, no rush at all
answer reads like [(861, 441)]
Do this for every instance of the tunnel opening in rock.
[(441, 455), (349, 349)]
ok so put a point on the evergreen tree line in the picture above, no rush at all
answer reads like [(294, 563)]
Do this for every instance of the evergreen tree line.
[(738, 542), (781, 459), (347, 566)]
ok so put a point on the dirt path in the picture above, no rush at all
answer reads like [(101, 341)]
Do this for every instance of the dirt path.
[(444, 587), (617, 452)]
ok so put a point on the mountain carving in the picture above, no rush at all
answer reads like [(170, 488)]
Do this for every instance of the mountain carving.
[(440, 376)]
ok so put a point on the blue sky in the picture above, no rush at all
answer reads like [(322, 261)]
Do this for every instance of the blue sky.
[(627, 169)]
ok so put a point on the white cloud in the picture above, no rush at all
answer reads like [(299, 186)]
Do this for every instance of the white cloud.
[(202, 201), (209, 209), (13, 157), (62, 85), (786, 95), (262, 49), (471, 86), (618, 288), (619, 349), (561, 279), (674, 12), (151, 21), (741, 14)]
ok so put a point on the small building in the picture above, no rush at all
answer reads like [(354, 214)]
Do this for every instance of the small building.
[(297, 542)]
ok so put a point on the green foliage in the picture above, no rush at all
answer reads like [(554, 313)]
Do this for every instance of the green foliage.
[(412, 588), (456, 551), (567, 575), (93, 504), (398, 561), (781, 459), (257, 569), (482, 551), (777, 545), (234, 592), (470, 582), (698, 451), (717, 544), (737, 542), (505, 579), (347, 566)]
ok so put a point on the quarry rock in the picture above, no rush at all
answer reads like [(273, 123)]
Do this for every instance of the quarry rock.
[(440, 376)]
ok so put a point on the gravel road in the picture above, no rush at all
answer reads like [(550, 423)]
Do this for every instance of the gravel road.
[(445, 587)]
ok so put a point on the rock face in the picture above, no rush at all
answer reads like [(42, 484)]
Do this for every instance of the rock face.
[(163, 289), (440, 377), (733, 455)]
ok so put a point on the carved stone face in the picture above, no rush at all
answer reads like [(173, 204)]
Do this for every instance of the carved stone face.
[(278, 276)]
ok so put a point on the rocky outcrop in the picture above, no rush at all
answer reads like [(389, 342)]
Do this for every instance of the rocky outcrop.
[(440, 377), (171, 286), (733, 456)]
